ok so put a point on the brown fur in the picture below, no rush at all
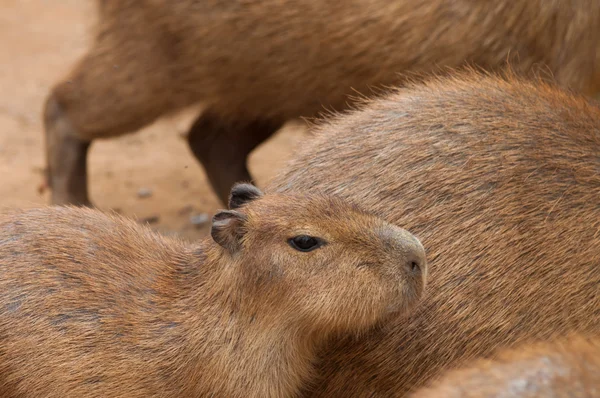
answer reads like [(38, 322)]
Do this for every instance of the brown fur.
[(94, 305), (567, 368), (256, 64), (500, 178)]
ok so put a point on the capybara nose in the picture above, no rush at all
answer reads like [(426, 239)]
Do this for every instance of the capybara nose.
[(411, 252)]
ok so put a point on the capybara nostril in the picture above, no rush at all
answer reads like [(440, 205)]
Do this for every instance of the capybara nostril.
[(411, 251), (415, 267), (416, 260)]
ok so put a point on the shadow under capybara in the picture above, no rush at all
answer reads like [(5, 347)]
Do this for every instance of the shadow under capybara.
[(95, 305), (253, 65), (500, 179), (565, 368)]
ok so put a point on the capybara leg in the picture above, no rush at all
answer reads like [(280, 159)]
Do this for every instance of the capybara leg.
[(66, 158), (112, 91), (223, 145)]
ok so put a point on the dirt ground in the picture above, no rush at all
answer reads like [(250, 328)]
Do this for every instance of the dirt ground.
[(39, 42)]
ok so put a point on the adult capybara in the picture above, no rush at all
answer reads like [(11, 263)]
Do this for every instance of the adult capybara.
[(253, 65), (567, 368), (500, 179), (94, 305)]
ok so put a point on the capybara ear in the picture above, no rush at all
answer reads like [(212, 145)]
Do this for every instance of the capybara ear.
[(228, 229), (242, 193)]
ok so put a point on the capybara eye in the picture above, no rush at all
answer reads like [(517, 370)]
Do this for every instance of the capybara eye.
[(305, 243)]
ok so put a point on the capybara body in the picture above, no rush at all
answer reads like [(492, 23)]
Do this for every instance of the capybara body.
[(566, 368), (499, 178), (94, 305), (256, 64)]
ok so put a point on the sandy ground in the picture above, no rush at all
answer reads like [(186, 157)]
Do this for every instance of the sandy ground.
[(39, 42)]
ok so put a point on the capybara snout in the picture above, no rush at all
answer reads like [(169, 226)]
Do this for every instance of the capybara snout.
[(403, 243)]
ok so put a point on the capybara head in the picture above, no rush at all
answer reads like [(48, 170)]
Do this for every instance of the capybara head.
[(326, 260)]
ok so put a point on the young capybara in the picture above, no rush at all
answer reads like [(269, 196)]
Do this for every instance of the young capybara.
[(94, 305), (253, 65), (500, 179), (567, 368)]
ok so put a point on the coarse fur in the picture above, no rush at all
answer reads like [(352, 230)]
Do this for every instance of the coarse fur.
[(500, 179), (95, 305), (566, 368), (254, 65)]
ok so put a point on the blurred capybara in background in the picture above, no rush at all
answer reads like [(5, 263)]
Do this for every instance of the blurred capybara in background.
[(97, 306), (500, 179), (566, 368), (253, 65)]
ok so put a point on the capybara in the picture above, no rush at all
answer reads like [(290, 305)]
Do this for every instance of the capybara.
[(253, 65), (95, 305), (566, 368), (500, 179)]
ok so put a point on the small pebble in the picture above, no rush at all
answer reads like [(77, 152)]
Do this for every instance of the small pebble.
[(185, 210), (199, 219), (144, 193)]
